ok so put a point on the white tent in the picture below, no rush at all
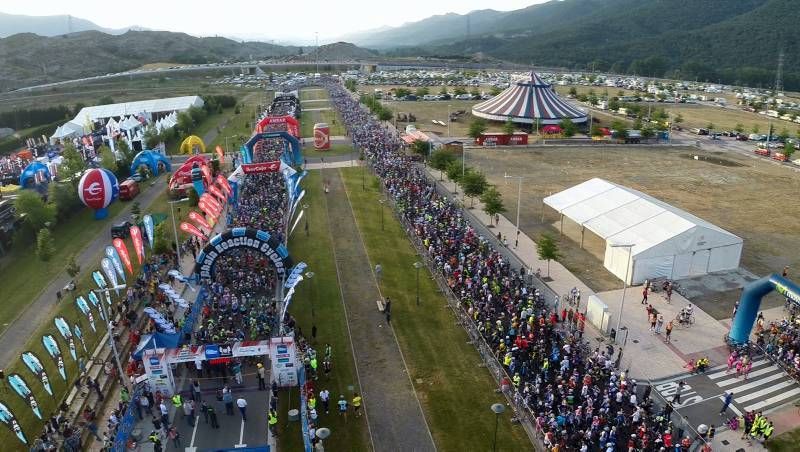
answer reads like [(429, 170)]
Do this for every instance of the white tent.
[(68, 130), (666, 241)]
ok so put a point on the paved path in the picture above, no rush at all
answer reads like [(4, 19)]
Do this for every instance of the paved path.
[(395, 417)]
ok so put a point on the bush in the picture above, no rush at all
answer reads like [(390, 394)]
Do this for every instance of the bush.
[(45, 245)]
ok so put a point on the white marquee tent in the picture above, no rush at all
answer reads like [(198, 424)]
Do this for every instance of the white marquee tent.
[(667, 241)]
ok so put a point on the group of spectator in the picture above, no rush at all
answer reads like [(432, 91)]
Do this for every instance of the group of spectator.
[(578, 398)]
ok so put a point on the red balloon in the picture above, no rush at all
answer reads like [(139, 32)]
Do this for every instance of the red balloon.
[(96, 188)]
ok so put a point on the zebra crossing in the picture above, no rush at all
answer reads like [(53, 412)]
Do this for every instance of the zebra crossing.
[(767, 386)]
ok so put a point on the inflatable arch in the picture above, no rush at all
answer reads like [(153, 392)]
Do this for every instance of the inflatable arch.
[(30, 171), (244, 238), (152, 159), (190, 142), (292, 124), (292, 144), (750, 303)]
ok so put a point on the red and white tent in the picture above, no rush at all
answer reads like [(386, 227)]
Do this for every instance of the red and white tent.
[(526, 102)]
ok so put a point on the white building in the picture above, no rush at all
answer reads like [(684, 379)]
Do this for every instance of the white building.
[(666, 241)]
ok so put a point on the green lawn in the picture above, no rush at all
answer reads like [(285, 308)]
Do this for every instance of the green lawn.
[(313, 94), (454, 391), (785, 442), (336, 149), (329, 317), (81, 228)]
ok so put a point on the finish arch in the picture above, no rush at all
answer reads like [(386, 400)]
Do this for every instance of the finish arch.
[(750, 303)]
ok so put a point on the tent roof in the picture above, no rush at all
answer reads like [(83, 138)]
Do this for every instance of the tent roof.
[(620, 214), (134, 108)]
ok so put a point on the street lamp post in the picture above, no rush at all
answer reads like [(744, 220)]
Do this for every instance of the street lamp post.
[(226, 144), (519, 201), (624, 282), (448, 120), (381, 201), (175, 228), (111, 341), (497, 409), (417, 265), (310, 277)]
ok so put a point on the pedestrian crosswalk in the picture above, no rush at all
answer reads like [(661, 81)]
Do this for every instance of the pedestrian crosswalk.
[(767, 386)]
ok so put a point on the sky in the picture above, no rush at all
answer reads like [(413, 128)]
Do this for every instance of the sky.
[(299, 21)]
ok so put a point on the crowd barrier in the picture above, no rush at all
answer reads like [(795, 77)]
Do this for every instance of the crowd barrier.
[(127, 422)]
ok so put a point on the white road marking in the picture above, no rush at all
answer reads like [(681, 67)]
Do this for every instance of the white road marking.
[(716, 375), (763, 371), (763, 392), (773, 400), (241, 436), (731, 407), (194, 431)]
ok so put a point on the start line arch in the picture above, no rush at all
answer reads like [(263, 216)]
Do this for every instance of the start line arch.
[(750, 302), (292, 144), (243, 238)]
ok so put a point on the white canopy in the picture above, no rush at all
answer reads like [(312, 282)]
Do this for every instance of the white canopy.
[(67, 130), (666, 241)]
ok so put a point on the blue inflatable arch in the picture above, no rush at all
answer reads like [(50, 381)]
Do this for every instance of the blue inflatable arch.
[(750, 303), (30, 172), (295, 157), (151, 159)]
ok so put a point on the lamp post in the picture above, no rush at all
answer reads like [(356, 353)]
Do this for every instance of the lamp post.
[(310, 277), (226, 143), (624, 282), (417, 265), (519, 201), (175, 228), (305, 207), (497, 409), (111, 342), (448, 120), (322, 433), (381, 201)]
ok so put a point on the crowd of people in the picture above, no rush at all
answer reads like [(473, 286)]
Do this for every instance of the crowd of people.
[(579, 400)]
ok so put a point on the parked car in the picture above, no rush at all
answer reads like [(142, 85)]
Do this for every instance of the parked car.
[(121, 230), (128, 190)]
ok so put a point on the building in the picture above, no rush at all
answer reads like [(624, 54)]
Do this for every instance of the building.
[(529, 101), (664, 241)]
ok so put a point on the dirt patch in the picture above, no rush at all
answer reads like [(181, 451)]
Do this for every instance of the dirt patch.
[(712, 159)]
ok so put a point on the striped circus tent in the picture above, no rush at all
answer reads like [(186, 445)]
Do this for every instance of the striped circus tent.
[(529, 101)]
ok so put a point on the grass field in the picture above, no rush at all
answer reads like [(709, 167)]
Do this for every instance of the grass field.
[(238, 128), (82, 226), (311, 117), (327, 313), (785, 442), (426, 111), (730, 190), (336, 149), (455, 392)]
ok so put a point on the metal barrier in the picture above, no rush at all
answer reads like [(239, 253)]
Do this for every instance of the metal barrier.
[(191, 318), (128, 422)]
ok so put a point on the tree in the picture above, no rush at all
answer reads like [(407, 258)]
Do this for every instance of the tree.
[(475, 93), (784, 134), (420, 147), (678, 119), (509, 127), (567, 127), (613, 104), (474, 184), (136, 210), (648, 132), (107, 159), (72, 267), (151, 138), (739, 128), (45, 245), (443, 91), (548, 250), (595, 131), (440, 160), (72, 166), (422, 91), (710, 126), (454, 171), (105, 100), (476, 128), (385, 114), (193, 197), (620, 128), (492, 203), (573, 91), (495, 91), (401, 92), (185, 122), (33, 211), (64, 197), (161, 243), (459, 91), (351, 85)]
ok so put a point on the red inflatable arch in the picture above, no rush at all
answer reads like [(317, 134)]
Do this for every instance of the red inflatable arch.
[(292, 125)]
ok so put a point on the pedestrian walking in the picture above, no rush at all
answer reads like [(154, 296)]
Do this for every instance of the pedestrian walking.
[(668, 332), (204, 410), (196, 391), (262, 377), (227, 399), (387, 310), (273, 422), (242, 404), (144, 403), (659, 323), (324, 397), (676, 399), (274, 388), (357, 404), (164, 413), (175, 436), (188, 412), (92, 427), (58, 296), (653, 321), (212, 416), (342, 407), (378, 272), (726, 403), (644, 295)]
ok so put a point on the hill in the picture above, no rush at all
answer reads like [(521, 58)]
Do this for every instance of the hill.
[(11, 24), (733, 41), (28, 59), (343, 51)]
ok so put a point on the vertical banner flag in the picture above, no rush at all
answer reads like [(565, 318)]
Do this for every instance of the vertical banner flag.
[(99, 280), (108, 269), (35, 366), (22, 390), (112, 254), (84, 308), (51, 346), (119, 245), (191, 229), (200, 220), (207, 209), (63, 328), (206, 174), (226, 187), (220, 154), (296, 222), (138, 243), (79, 334), (214, 190), (210, 200), (149, 229), (7, 417), (96, 303)]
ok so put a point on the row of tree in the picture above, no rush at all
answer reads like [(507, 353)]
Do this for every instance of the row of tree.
[(376, 107)]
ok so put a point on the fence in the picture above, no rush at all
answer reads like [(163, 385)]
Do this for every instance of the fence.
[(128, 421), (191, 318)]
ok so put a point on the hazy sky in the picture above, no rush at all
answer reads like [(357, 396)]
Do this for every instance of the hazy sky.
[(300, 18)]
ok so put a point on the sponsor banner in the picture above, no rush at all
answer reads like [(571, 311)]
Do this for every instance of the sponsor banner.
[(206, 208), (149, 229), (157, 369), (63, 328), (251, 348), (220, 153), (119, 245), (186, 354), (138, 243), (223, 183), (295, 275), (79, 334), (200, 220), (54, 351), (108, 269), (84, 308), (218, 351), (112, 254), (19, 386), (96, 303), (206, 171), (7, 417), (296, 222), (214, 190), (192, 229), (213, 202), (236, 238), (262, 167), (33, 364), (98, 279)]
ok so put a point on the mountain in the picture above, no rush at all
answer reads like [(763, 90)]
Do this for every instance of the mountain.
[(343, 51), (733, 41), (28, 59), (11, 24)]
